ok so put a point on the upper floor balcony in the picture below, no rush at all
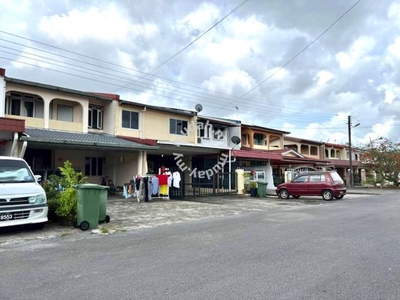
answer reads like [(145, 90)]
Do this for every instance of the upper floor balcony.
[(57, 111)]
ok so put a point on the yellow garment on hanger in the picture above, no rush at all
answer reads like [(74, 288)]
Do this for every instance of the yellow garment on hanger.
[(164, 189)]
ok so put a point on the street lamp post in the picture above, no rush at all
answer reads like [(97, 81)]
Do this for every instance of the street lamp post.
[(350, 150)]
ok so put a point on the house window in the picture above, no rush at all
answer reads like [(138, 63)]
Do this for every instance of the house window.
[(21, 104), (304, 149), (245, 139), (130, 119), (65, 113), (313, 150), (259, 139), (219, 133), (95, 117), (94, 166), (203, 130), (178, 126)]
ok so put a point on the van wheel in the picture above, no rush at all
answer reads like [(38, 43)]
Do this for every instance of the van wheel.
[(284, 194), (327, 195)]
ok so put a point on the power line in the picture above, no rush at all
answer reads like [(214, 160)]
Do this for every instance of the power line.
[(296, 55), (194, 41), (246, 105), (108, 75)]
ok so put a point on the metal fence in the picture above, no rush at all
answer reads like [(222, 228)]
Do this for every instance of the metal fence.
[(218, 184)]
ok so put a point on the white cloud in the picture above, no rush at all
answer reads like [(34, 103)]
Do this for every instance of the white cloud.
[(200, 19), (107, 24), (324, 77), (229, 81), (358, 51)]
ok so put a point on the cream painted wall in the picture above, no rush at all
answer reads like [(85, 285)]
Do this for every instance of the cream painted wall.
[(80, 103), (2, 96), (119, 167), (29, 122), (154, 124), (127, 166), (62, 125), (118, 121), (109, 116)]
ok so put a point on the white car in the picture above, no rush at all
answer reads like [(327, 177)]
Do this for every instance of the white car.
[(22, 199)]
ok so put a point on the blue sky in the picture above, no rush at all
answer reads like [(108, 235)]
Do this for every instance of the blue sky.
[(295, 65)]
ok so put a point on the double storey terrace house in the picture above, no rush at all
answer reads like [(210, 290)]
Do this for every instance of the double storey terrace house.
[(192, 145), (48, 125), (339, 157)]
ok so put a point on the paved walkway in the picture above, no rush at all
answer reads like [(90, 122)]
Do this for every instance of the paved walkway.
[(128, 214)]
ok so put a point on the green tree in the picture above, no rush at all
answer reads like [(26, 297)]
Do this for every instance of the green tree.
[(383, 156)]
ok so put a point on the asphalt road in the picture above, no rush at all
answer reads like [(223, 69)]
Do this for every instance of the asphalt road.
[(348, 249)]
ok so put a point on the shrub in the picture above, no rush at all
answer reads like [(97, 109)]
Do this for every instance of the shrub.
[(66, 208), (62, 202)]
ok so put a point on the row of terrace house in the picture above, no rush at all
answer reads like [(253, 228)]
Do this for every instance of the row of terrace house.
[(108, 137)]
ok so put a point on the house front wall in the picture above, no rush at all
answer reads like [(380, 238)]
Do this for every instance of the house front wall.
[(155, 124), (262, 140), (119, 167), (308, 150), (60, 110)]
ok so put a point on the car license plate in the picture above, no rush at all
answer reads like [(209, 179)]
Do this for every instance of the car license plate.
[(6, 217)]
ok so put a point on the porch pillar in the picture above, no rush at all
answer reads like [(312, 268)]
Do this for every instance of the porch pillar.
[(240, 180), (2, 92), (46, 113)]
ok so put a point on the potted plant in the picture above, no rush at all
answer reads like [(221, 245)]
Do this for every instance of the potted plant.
[(253, 188)]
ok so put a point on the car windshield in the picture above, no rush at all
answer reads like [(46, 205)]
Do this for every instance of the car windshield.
[(15, 171), (336, 177)]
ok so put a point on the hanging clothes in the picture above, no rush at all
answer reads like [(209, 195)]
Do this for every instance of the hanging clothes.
[(163, 184), (155, 185), (176, 177), (169, 174)]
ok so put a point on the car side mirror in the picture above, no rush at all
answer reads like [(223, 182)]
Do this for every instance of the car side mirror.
[(38, 178)]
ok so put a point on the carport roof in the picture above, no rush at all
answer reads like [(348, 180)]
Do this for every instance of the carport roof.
[(55, 137)]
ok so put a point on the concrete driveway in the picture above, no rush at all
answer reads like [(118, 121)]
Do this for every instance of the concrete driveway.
[(128, 214)]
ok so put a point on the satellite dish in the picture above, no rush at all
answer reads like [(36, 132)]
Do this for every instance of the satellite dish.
[(198, 107), (235, 139)]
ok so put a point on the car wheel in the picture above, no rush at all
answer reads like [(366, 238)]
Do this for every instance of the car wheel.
[(339, 197), (327, 195), (284, 194), (296, 196)]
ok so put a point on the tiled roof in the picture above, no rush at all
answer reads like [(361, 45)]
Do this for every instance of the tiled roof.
[(81, 139), (149, 142), (257, 154)]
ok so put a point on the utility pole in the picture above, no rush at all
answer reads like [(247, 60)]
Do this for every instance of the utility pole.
[(350, 154), (349, 126)]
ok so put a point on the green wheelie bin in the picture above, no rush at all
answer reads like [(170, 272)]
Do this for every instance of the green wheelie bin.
[(103, 217), (88, 205), (261, 189)]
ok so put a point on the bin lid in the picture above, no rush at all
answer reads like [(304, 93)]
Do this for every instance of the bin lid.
[(91, 186)]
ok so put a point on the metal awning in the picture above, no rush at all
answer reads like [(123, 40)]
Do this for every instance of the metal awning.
[(80, 140)]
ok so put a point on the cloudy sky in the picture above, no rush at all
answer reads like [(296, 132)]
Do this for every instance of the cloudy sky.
[(301, 66)]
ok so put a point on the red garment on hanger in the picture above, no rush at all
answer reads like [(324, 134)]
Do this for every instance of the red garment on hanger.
[(162, 179)]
